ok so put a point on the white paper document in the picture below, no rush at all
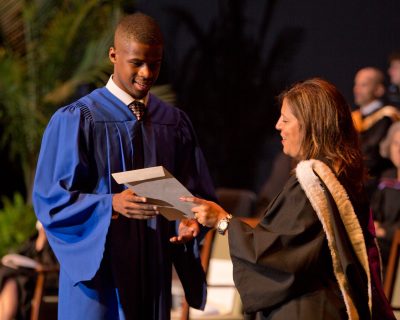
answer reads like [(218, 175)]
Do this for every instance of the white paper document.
[(160, 188), (14, 260)]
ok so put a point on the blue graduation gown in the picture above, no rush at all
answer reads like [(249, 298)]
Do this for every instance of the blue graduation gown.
[(83, 144)]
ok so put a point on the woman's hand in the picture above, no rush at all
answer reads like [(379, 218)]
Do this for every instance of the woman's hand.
[(207, 213)]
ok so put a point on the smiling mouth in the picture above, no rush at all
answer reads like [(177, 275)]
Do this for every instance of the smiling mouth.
[(142, 85)]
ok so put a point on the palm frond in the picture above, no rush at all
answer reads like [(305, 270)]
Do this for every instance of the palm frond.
[(11, 24), (65, 45)]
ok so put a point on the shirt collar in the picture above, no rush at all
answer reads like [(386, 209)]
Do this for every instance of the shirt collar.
[(126, 98), (371, 107)]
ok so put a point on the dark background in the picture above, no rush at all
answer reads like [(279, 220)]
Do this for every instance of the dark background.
[(227, 60)]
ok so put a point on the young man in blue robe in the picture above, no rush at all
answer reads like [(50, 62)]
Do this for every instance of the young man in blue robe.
[(115, 250)]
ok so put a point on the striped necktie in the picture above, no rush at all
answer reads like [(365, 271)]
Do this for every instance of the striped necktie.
[(138, 108)]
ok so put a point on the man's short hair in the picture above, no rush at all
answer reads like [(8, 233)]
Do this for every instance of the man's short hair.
[(378, 76), (139, 27)]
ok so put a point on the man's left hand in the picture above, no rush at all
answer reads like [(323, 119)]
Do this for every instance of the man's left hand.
[(188, 229)]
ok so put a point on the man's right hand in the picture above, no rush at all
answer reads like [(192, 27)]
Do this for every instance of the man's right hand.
[(132, 206)]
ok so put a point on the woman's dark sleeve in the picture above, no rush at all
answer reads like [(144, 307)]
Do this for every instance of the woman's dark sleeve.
[(282, 255)]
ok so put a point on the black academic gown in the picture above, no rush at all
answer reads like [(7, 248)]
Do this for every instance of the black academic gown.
[(283, 267), (385, 206), (370, 140)]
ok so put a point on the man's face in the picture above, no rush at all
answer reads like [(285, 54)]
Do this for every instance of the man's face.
[(136, 66), (394, 72), (366, 87)]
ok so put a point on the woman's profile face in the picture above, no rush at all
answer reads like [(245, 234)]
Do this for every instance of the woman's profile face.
[(290, 131), (395, 149)]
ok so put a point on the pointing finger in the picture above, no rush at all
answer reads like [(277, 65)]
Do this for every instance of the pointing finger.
[(192, 199)]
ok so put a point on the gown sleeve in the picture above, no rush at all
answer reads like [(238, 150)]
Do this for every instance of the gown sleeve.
[(282, 255), (76, 219)]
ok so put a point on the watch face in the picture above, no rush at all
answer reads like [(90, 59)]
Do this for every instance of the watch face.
[(223, 225)]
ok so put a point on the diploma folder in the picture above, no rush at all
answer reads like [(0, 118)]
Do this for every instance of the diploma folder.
[(160, 188)]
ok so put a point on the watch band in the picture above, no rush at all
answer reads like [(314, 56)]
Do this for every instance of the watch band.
[(223, 224)]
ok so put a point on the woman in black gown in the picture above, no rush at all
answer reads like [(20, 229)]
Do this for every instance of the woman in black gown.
[(312, 255)]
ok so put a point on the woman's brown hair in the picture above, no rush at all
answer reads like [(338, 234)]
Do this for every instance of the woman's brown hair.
[(327, 127)]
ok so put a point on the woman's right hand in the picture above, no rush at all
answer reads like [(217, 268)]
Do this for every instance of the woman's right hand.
[(207, 213)]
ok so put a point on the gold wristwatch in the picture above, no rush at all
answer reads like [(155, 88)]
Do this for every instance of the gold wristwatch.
[(223, 224)]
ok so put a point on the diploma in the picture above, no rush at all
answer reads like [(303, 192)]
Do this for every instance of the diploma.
[(160, 188)]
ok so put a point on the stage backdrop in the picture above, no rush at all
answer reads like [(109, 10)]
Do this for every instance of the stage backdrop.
[(228, 59)]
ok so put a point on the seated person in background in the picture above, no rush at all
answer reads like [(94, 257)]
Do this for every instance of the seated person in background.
[(372, 120), (17, 283), (385, 202), (306, 260), (393, 91)]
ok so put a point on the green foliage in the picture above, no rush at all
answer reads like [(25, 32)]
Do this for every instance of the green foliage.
[(17, 223), (64, 45)]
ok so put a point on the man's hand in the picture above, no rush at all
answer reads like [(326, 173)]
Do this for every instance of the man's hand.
[(132, 206), (188, 229)]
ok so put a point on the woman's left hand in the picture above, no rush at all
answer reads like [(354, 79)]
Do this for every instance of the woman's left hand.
[(207, 213)]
